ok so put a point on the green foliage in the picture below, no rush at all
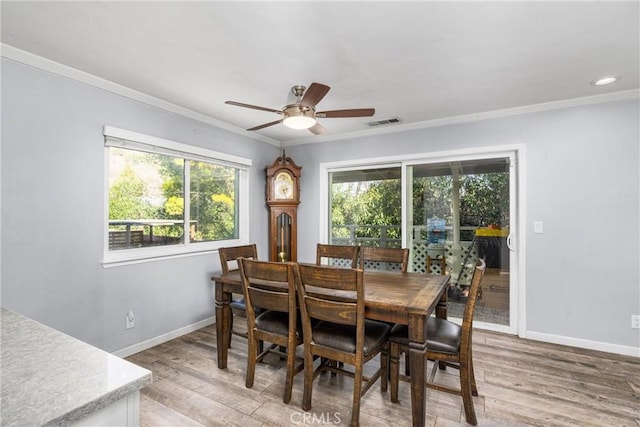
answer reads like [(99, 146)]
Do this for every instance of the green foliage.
[(484, 200), (431, 198), (174, 207), (366, 203), (213, 201), (159, 178), (126, 198), (374, 202), (222, 213)]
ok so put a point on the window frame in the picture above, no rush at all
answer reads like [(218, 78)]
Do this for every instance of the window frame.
[(115, 137)]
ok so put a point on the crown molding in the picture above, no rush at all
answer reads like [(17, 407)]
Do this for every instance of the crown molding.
[(39, 62), (467, 118), (57, 68)]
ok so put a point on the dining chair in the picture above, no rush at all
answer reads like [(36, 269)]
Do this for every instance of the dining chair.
[(389, 259), (337, 255), (271, 286), (228, 261), (334, 298), (448, 344)]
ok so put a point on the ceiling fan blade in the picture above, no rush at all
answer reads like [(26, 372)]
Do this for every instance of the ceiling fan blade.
[(359, 112), (266, 125), (317, 129), (314, 94), (255, 107)]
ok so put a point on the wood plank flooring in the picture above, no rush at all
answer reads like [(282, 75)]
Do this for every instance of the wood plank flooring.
[(520, 382)]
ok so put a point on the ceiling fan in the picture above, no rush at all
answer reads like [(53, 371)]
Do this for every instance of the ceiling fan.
[(302, 114)]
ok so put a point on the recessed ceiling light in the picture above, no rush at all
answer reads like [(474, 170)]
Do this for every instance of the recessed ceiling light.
[(605, 80)]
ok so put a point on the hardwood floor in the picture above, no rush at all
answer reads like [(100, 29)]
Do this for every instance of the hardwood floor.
[(520, 383)]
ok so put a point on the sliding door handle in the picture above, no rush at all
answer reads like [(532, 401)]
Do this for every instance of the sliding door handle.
[(510, 242)]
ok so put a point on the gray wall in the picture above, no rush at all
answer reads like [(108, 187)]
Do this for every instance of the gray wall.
[(582, 274), (52, 212), (582, 180)]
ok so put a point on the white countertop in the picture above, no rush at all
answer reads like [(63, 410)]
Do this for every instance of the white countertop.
[(49, 378)]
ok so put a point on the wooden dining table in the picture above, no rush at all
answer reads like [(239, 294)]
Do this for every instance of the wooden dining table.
[(405, 298)]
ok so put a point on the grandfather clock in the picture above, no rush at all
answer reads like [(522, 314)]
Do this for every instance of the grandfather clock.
[(283, 198)]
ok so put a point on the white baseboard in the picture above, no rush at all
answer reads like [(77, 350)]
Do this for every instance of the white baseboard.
[(137, 348), (582, 343), (536, 336)]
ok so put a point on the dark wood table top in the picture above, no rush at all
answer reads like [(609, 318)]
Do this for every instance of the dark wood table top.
[(389, 296)]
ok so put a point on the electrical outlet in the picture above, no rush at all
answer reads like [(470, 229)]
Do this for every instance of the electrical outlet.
[(129, 320), (635, 321)]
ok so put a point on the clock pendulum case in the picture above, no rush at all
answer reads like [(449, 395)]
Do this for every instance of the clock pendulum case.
[(283, 198)]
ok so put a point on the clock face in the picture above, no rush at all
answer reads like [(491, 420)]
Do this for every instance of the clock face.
[(283, 186)]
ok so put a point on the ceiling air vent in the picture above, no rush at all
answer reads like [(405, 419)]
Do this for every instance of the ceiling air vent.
[(384, 122)]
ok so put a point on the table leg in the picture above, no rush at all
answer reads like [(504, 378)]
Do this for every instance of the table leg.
[(417, 355), (223, 323), (441, 313), (441, 308)]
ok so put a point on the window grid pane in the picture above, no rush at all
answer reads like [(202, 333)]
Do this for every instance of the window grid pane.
[(213, 202), (145, 199)]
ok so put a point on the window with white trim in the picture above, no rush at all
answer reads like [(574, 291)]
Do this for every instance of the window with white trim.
[(166, 198)]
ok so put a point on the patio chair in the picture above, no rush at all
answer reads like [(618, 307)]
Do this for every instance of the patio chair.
[(437, 265)]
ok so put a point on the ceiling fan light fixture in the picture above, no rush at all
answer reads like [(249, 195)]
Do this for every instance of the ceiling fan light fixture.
[(302, 114), (296, 118)]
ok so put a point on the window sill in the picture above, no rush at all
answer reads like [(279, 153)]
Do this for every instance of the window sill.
[(109, 262), (139, 256)]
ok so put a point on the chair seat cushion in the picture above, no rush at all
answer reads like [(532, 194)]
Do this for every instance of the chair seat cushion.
[(343, 337), (241, 305), (443, 336), (276, 322)]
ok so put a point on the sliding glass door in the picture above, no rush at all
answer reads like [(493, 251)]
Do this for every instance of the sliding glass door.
[(449, 211), (459, 211)]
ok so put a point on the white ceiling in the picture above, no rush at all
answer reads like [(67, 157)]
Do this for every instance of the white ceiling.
[(418, 61)]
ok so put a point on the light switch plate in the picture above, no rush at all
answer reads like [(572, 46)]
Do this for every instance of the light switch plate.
[(538, 227)]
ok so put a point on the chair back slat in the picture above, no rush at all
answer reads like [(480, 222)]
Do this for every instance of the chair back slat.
[(329, 277), (337, 255), (316, 286), (392, 259), (269, 300), (344, 313), (230, 254), (268, 285)]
